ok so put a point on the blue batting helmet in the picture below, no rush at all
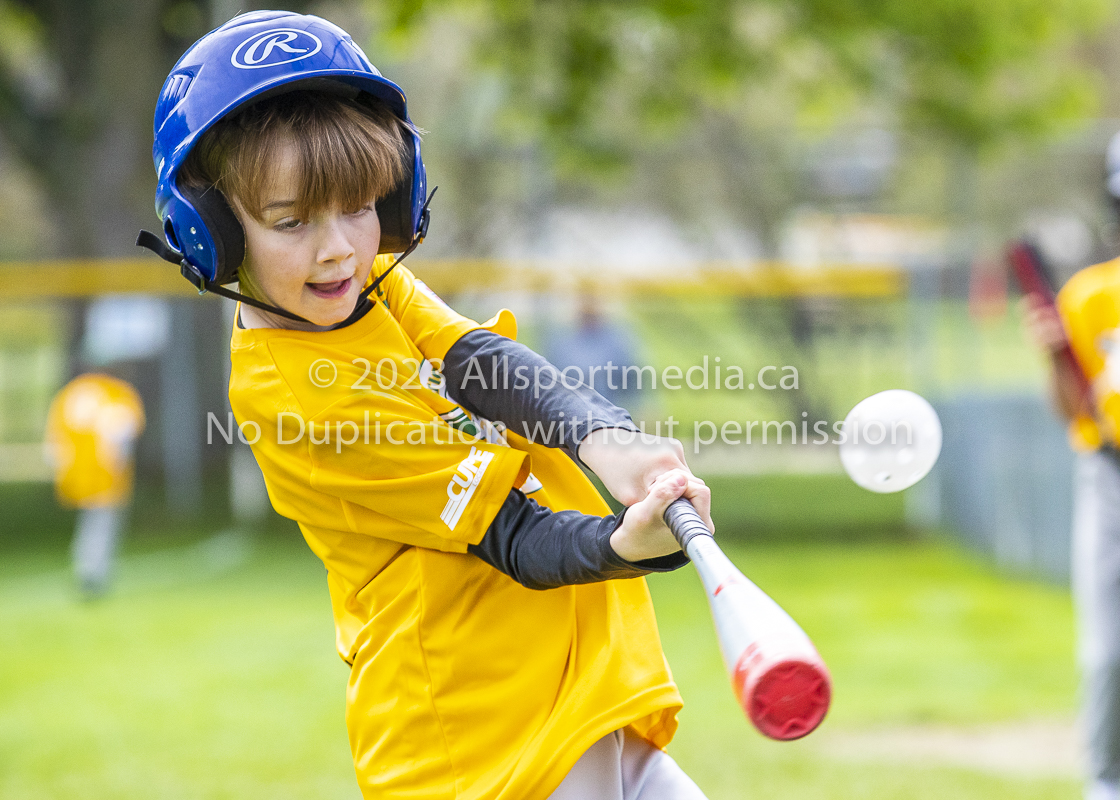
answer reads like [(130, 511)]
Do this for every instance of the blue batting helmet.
[(253, 56)]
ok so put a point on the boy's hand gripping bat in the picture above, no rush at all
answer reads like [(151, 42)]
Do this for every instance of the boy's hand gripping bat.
[(1038, 284)]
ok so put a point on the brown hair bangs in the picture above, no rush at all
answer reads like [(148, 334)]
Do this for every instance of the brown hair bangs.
[(348, 152)]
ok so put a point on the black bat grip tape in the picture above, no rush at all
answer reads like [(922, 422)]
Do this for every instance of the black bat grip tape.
[(684, 522)]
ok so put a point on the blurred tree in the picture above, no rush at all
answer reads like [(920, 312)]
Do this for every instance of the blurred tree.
[(78, 85), (73, 96), (577, 72)]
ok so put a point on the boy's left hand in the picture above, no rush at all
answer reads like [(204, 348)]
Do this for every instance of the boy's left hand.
[(643, 533)]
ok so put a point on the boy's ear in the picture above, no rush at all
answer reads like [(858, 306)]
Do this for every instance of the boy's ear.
[(394, 210), (225, 230)]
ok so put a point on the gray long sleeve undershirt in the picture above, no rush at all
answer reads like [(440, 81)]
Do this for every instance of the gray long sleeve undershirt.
[(535, 546), (543, 549), (503, 380)]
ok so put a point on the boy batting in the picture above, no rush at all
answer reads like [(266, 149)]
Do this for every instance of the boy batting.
[(501, 639)]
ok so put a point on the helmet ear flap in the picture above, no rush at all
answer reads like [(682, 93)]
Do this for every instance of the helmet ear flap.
[(395, 210), (225, 230)]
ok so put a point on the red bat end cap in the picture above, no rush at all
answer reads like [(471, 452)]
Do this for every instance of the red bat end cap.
[(786, 700)]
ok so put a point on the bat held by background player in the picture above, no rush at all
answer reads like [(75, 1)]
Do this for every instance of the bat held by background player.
[(1040, 289)]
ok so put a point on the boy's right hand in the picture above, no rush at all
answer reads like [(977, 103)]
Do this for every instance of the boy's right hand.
[(1043, 324), (643, 533), (628, 462)]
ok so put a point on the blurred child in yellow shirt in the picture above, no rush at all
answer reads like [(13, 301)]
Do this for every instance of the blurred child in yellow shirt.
[(92, 426)]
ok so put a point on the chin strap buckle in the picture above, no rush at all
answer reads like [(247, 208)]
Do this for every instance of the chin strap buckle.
[(151, 241), (425, 216), (193, 275)]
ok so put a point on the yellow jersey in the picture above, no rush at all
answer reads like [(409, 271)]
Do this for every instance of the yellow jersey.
[(1089, 305), (91, 426), (464, 684)]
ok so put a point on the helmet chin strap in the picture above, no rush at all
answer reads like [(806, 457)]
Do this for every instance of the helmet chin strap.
[(152, 242)]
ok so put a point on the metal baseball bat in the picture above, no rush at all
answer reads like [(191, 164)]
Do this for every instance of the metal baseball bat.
[(778, 676)]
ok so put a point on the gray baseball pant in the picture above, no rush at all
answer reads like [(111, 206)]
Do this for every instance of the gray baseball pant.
[(95, 545), (1096, 591)]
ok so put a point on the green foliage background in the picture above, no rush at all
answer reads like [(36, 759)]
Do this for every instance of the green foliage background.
[(595, 78)]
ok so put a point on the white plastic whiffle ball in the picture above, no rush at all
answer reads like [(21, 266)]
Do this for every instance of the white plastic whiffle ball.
[(891, 441)]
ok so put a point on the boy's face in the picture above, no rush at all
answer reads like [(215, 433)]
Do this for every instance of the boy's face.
[(312, 267)]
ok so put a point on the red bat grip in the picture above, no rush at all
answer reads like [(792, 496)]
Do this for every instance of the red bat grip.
[(1029, 272), (1034, 280), (684, 522)]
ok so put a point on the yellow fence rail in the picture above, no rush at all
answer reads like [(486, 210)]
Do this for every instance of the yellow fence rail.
[(36, 280)]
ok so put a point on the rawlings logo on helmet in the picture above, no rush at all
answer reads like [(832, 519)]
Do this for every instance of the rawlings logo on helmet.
[(274, 47)]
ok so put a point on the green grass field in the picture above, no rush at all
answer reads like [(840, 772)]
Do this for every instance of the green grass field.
[(210, 671)]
